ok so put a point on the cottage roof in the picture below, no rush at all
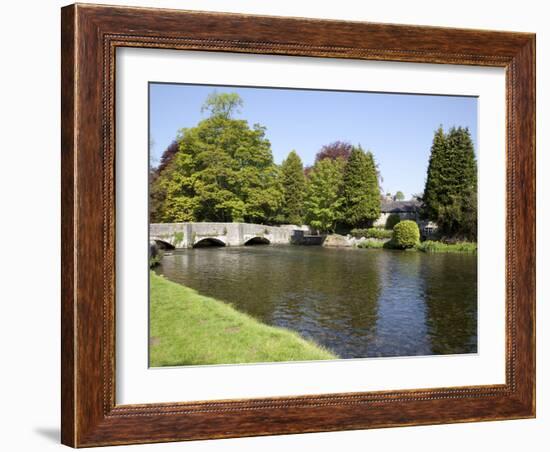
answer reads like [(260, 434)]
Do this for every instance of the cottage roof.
[(410, 206)]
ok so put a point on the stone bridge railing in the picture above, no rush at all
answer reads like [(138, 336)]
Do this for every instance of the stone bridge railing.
[(189, 235)]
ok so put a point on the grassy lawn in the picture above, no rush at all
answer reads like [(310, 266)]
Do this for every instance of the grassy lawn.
[(188, 328)]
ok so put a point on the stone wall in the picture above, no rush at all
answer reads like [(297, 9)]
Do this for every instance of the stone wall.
[(187, 235)]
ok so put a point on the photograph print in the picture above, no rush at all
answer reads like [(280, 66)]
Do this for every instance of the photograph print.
[(299, 225)]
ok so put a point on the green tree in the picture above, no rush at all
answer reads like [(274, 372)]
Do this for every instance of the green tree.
[(450, 194), (157, 195), (360, 189), (223, 171), (399, 196), (222, 104), (434, 188), (324, 194), (294, 186)]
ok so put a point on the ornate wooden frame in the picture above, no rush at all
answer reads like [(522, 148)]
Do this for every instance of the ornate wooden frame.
[(90, 35)]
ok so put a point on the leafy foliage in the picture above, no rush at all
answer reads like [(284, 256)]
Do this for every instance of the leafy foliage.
[(335, 150), (167, 156), (156, 259), (157, 196), (405, 234), (294, 187), (324, 195), (371, 233), (450, 194), (222, 104), (399, 196), (360, 189), (371, 244), (430, 246), (223, 171), (392, 220)]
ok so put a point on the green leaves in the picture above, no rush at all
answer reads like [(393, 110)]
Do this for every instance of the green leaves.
[(294, 189), (324, 195), (405, 234), (343, 191), (450, 194), (222, 104), (223, 171), (361, 192)]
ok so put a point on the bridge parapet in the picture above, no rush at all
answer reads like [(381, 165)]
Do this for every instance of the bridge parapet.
[(188, 235)]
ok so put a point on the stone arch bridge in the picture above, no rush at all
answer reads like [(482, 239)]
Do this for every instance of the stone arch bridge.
[(191, 235)]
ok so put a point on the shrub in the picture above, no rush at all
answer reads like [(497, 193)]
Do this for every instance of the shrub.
[(371, 233), (371, 244), (392, 220), (155, 259), (430, 246), (405, 234), (377, 233), (358, 233)]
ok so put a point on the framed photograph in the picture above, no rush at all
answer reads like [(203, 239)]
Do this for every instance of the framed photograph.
[(281, 225)]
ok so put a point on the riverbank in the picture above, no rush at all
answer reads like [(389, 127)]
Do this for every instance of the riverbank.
[(187, 328), (428, 246)]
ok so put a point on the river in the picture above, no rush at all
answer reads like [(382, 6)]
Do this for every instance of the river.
[(356, 302)]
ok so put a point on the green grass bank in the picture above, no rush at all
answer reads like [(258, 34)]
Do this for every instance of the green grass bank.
[(187, 328), (430, 246)]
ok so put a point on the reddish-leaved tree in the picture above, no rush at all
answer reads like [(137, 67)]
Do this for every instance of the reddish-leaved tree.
[(337, 149), (167, 156)]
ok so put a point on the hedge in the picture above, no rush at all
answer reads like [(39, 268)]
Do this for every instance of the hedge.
[(371, 233)]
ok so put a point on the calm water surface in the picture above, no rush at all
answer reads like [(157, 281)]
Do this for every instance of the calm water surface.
[(358, 303)]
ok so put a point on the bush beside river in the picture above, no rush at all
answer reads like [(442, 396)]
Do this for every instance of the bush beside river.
[(368, 239), (430, 246), (190, 329)]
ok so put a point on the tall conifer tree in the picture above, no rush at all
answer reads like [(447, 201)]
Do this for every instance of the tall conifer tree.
[(294, 187), (450, 194), (361, 192), (434, 190)]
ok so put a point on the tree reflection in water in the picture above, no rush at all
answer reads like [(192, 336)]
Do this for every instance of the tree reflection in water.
[(358, 303)]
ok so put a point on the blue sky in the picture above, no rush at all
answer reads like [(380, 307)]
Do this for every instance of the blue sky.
[(397, 128)]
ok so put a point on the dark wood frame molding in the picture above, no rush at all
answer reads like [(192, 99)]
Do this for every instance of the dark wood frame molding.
[(90, 35)]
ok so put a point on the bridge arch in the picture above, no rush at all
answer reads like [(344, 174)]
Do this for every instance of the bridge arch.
[(257, 241), (163, 244), (208, 241)]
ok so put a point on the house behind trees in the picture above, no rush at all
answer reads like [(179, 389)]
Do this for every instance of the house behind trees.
[(392, 211)]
